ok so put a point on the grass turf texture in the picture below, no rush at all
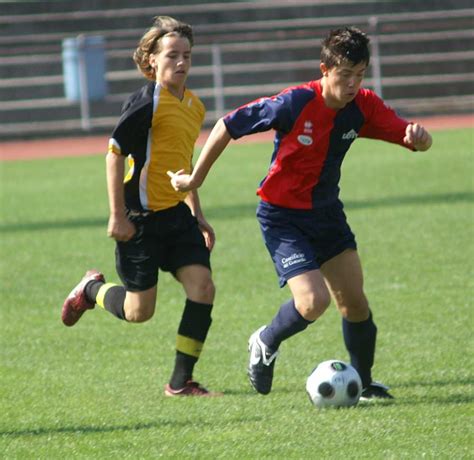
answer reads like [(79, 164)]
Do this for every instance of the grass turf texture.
[(96, 390)]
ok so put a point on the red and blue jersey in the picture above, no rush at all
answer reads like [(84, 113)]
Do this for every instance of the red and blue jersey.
[(311, 140)]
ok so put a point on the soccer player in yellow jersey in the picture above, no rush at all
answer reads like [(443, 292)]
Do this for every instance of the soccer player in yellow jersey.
[(155, 227)]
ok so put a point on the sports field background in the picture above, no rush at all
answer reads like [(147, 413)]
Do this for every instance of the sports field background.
[(95, 390)]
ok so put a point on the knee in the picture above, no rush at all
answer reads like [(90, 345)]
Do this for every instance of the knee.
[(355, 310), (204, 291), (313, 305), (139, 314), (208, 290)]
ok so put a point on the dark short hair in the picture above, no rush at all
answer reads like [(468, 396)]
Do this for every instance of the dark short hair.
[(348, 44)]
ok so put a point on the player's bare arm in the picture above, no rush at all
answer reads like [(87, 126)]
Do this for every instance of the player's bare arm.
[(418, 137), (215, 144), (119, 227), (192, 200)]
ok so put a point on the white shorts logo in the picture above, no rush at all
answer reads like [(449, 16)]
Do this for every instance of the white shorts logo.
[(296, 258), (305, 140)]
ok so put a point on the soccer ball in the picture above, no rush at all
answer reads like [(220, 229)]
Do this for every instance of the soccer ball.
[(334, 383)]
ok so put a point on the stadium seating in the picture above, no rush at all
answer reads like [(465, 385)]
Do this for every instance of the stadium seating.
[(426, 54)]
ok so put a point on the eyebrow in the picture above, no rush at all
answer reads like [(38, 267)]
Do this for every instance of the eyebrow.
[(351, 69), (178, 51)]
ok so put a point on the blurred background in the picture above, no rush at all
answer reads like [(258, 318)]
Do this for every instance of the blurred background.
[(66, 67)]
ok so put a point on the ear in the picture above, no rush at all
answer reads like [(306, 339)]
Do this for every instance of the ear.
[(324, 69), (152, 61)]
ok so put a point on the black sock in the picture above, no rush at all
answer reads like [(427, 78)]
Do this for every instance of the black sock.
[(92, 289), (183, 370), (360, 343), (109, 296), (287, 322), (192, 332)]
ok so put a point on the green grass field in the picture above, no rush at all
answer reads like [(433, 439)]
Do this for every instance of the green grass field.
[(95, 391)]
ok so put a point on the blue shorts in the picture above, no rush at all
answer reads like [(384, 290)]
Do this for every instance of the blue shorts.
[(302, 240)]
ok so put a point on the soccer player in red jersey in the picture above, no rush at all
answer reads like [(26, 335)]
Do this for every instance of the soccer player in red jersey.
[(300, 213), (155, 227)]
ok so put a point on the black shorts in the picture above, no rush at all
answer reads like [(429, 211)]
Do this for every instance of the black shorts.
[(165, 240), (299, 241)]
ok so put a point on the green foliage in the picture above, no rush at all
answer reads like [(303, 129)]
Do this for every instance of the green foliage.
[(95, 390)]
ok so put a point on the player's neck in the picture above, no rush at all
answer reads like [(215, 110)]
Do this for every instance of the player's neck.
[(175, 90), (329, 99)]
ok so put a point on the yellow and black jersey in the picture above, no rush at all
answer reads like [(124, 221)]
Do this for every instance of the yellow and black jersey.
[(157, 131)]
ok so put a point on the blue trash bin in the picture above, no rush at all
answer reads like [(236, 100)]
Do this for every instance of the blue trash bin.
[(91, 49)]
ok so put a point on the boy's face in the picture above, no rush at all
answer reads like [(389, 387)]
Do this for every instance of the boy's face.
[(172, 62), (341, 83)]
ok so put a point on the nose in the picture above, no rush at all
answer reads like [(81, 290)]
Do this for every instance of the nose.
[(181, 61)]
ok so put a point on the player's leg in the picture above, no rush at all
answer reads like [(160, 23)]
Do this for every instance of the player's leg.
[(295, 264), (195, 322), (137, 263), (134, 307), (344, 276), (310, 300), (188, 259)]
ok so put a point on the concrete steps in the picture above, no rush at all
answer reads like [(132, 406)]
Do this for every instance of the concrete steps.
[(426, 54)]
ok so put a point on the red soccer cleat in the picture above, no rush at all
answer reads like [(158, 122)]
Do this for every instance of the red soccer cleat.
[(76, 302), (190, 389)]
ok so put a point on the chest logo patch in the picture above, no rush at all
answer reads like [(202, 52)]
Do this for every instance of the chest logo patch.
[(305, 140)]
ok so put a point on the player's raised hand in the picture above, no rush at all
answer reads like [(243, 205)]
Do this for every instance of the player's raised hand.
[(417, 137), (180, 181)]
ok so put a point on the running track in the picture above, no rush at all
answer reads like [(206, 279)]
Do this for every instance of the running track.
[(90, 145)]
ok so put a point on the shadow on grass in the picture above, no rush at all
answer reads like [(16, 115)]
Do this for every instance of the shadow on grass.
[(239, 211), (54, 225), (434, 391), (81, 429), (435, 398), (468, 381), (436, 198), (92, 429)]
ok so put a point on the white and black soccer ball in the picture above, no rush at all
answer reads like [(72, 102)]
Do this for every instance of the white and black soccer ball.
[(334, 383)]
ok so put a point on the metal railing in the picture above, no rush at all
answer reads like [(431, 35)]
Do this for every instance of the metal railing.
[(385, 30)]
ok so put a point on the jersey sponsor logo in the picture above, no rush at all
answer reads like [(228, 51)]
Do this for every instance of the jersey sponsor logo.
[(296, 258), (305, 140), (352, 134)]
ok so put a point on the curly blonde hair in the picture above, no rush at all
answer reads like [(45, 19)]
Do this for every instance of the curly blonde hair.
[(150, 43)]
